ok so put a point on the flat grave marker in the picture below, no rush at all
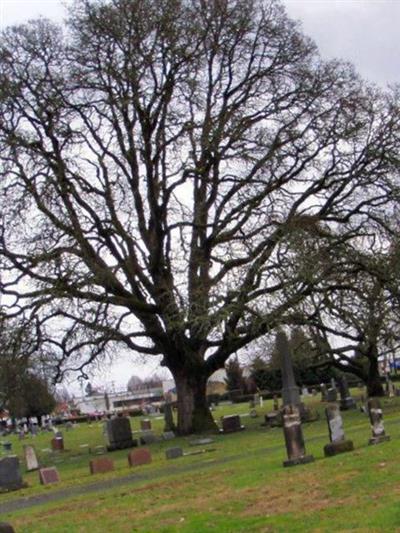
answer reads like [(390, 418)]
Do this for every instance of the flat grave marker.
[(101, 465), (140, 456), (49, 475)]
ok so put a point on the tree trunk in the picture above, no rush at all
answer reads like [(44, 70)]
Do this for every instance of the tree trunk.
[(194, 415), (374, 382)]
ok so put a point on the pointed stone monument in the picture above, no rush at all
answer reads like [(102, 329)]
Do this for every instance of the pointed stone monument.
[(338, 442), (291, 407), (346, 401)]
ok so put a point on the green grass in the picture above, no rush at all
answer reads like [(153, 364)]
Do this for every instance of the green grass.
[(357, 491)]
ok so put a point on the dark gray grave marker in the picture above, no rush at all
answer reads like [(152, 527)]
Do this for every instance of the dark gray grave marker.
[(119, 434), (294, 437), (5, 527), (231, 424), (173, 453), (10, 474), (346, 401)]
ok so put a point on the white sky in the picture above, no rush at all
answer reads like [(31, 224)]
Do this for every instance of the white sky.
[(364, 32)]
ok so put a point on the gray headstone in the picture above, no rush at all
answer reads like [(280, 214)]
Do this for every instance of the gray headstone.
[(231, 423), (290, 391), (148, 437), (119, 433), (376, 419), (335, 423), (331, 395), (10, 475), (31, 460), (324, 392), (173, 453), (294, 440), (168, 435), (168, 418)]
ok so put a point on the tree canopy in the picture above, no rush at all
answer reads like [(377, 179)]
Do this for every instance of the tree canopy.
[(157, 159)]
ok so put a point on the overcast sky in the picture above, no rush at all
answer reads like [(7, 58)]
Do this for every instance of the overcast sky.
[(364, 32)]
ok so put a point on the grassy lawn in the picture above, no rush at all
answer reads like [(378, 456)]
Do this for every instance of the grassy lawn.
[(241, 486)]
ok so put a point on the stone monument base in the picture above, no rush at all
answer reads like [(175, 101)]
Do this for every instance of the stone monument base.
[(299, 460), (378, 440), (348, 403), (333, 448), (124, 445)]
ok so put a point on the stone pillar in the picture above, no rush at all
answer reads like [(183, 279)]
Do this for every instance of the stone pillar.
[(324, 392), (290, 391), (294, 437), (168, 417), (338, 442), (346, 401), (376, 419)]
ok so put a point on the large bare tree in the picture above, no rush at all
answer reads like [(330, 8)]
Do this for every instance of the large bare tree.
[(156, 156)]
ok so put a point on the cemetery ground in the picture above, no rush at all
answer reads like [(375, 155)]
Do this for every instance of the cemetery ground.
[(239, 486)]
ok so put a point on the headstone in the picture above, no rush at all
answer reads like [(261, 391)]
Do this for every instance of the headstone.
[(7, 446), (294, 440), (273, 419), (346, 401), (10, 475), (314, 392), (231, 424), (49, 475), (331, 395), (338, 442), (21, 435), (276, 402), (141, 456), (253, 413), (34, 430), (304, 392), (119, 434), (148, 437), (324, 392), (168, 435), (200, 442), (57, 444), (145, 425), (168, 418), (376, 419), (173, 453), (69, 425), (5, 527), (101, 465), (290, 391), (31, 460)]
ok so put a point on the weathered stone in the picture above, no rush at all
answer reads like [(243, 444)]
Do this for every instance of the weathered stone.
[(31, 460), (338, 443), (331, 395), (168, 435), (294, 437), (201, 442), (276, 402), (57, 444), (145, 425), (101, 465), (376, 419), (49, 475), (10, 475), (141, 456), (119, 434), (346, 401), (290, 391), (168, 418), (148, 437), (173, 453), (334, 448), (231, 424), (324, 392)]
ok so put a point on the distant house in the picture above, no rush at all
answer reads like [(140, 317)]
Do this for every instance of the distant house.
[(117, 401)]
